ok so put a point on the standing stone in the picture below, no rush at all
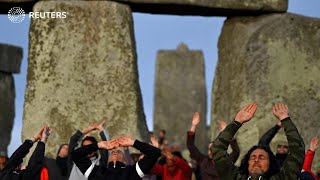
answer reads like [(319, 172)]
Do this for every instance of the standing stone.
[(81, 69), (180, 91), (269, 59), (10, 61)]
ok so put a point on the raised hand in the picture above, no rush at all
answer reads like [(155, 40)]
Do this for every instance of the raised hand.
[(154, 142), (280, 110), (246, 113), (100, 125), (222, 125), (46, 133), (91, 127), (38, 135), (108, 145), (195, 121), (314, 144), (125, 141)]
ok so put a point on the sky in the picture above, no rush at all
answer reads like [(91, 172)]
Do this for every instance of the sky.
[(152, 33)]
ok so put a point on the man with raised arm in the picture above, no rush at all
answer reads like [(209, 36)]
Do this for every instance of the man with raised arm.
[(259, 163), (117, 171), (207, 166)]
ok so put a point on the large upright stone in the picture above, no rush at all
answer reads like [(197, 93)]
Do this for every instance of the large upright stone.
[(269, 59), (81, 69), (180, 91), (10, 61), (186, 7)]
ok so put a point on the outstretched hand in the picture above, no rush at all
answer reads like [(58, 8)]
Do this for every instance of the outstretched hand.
[(108, 145), (46, 133), (125, 141), (196, 119), (314, 144), (38, 135), (280, 110), (246, 113), (154, 142)]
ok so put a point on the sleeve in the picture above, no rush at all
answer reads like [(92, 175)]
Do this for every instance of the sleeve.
[(73, 143), (151, 155), (293, 164), (307, 164), (79, 157), (186, 169), (235, 150), (268, 136), (194, 151), (36, 161), (225, 166), (157, 170), (17, 157), (104, 153)]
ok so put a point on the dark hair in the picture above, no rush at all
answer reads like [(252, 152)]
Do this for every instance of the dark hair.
[(306, 176), (273, 165), (89, 138), (61, 148), (163, 131)]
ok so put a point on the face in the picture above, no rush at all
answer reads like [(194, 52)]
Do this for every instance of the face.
[(162, 134), (85, 143), (282, 149), (64, 151), (209, 151), (117, 155), (175, 148), (258, 162)]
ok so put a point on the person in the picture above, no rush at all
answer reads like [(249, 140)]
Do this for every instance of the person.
[(61, 159), (282, 149), (3, 161), (205, 162), (175, 168), (162, 138), (13, 170), (95, 157), (118, 171), (259, 162), (306, 169)]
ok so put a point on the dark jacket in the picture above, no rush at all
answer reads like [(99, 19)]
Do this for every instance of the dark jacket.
[(35, 164), (267, 138), (101, 172), (291, 167), (207, 166)]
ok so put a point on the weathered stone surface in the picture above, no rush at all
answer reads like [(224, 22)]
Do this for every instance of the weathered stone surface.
[(7, 96), (10, 58), (204, 7), (180, 91), (269, 59), (83, 68)]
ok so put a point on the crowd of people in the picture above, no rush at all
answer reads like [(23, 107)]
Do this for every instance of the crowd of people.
[(85, 158)]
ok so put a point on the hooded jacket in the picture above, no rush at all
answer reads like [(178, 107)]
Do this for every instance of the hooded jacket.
[(291, 167)]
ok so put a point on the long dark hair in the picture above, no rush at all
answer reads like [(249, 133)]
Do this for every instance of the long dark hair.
[(61, 148), (273, 165)]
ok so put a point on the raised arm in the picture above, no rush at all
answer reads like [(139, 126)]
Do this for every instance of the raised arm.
[(293, 164), (151, 155), (36, 161), (194, 151), (269, 135), (224, 163), (314, 144)]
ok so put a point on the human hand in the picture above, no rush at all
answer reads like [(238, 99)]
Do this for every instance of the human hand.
[(246, 113), (100, 125), (108, 145), (222, 125), (38, 135), (280, 110), (154, 142), (91, 127), (314, 144), (46, 133), (125, 141)]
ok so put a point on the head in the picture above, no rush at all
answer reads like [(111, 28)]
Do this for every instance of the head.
[(209, 150), (117, 155), (282, 149), (175, 147), (63, 151), (162, 133), (3, 161), (87, 141), (259, 161)]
